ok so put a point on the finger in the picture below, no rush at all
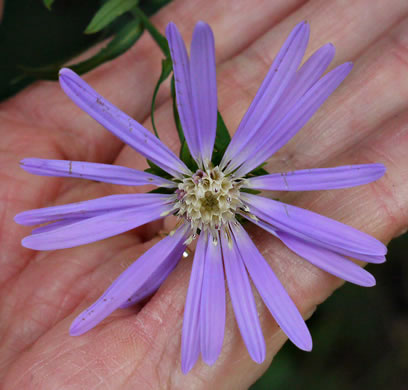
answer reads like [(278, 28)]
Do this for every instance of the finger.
[(20, 190)]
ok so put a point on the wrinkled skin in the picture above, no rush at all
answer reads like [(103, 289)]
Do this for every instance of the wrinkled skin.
[(365, 120)]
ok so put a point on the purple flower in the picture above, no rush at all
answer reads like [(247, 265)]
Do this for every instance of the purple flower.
[(208, 201)]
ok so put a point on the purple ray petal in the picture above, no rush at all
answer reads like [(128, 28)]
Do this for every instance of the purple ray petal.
[(243, 301), (309, 73), (128, 283), (319, 179), (272, 292), (212, 305), (92, 171), (280, 75), (367, 258), (95, 229), (328, 261), (190, 339), (90, 208), (305, 78), (308, 226), (120, 124), (184, 97), (294, 120), (204, 88), (157, 277)]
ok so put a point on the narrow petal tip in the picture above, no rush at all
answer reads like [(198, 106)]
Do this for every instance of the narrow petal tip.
[(187, 365), (25, 242), (18, 219), (30, 242), (209, 360), (330, 48), (376, 259), (69, 82), (302, 28), (305, 25), (66, 72), (76, 329), (367, 280), (381, 169), (258, 356), (28, 163), (66, 75), (73, 331), (170, 28), (202, 25), (348, 65), (380, 248), (306, 344)]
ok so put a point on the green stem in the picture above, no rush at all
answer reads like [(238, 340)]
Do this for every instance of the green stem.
[(156, 35)]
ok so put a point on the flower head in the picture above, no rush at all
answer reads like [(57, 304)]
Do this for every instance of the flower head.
[(213, 199)]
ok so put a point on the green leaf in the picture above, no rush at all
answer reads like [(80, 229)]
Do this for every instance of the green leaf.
[(186, 157), (108, 13), (156, 170), (156, 35), (167, 67), (241, 219), (175, 112), (222, 140), (48, 3), (250, 191), (258, 171), (122, 41)]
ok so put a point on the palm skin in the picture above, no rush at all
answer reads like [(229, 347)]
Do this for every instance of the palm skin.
[(366, 120)]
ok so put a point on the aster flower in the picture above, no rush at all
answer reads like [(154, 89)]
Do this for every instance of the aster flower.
[(212, 201)]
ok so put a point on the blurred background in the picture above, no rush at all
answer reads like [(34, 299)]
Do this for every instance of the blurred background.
[(360, 335)]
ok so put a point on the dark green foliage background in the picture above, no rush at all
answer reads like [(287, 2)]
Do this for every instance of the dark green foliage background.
[(32, 36), (360, 335)]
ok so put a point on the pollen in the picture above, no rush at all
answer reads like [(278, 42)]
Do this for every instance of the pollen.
[(209, 199)]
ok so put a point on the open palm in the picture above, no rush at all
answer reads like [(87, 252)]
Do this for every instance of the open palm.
[(365, 121)]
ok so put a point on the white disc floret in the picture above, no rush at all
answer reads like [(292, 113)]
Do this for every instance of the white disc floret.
[(209, 199)]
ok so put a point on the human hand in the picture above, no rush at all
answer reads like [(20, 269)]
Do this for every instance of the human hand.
[(140, 347)]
